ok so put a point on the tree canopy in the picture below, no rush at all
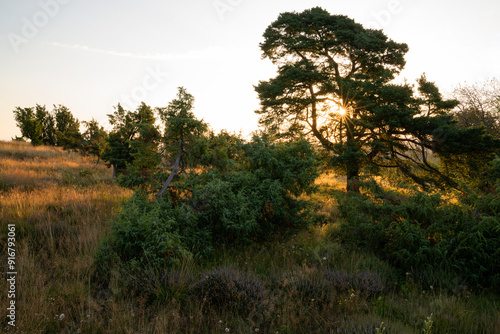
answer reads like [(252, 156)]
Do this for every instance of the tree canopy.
[(335, 84)]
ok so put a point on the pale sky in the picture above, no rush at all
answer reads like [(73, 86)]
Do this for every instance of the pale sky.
[(91, 54)]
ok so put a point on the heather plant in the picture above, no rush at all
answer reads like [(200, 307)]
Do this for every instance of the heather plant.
[(365, 281), (230, 288)]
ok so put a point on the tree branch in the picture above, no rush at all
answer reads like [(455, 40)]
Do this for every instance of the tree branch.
[(171, 176)]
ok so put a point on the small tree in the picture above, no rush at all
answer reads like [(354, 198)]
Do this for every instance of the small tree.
[(143, 169), (47, 121), (31, 127), (67, 128), (117, 152), (94, 139), (182, 132)]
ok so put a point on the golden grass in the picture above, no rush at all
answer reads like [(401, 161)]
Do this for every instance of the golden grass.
[(61, 204)]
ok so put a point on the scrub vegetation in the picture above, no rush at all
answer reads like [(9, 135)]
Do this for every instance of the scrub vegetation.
[(361, 206)]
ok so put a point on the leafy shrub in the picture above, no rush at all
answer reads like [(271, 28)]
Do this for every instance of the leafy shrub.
[(421, 231), (253, 201), (151, 234)]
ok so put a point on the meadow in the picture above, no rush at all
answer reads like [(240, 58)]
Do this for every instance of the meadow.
[(62, 206)]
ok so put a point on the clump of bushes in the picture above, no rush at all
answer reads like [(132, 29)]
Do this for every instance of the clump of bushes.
[(424, 234), (252, 202)]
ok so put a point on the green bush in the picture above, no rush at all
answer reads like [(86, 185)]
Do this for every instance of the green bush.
[(421, 233), (253, 201), (151, 234)]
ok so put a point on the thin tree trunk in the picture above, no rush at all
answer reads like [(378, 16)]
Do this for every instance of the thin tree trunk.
[(171, 176), (353, 179)]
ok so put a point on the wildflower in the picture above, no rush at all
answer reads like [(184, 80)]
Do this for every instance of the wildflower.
[(220, 321), (227, 330), (324, 258), (256, 329), (61, 317)]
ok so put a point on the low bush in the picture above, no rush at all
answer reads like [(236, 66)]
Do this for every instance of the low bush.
[(150, 234), (232, 289), (422, 233), (366, 281)]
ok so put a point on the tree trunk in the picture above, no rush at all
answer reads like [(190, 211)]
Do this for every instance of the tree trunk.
[(171, 176), (353, 178)]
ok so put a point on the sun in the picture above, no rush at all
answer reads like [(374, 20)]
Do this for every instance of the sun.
[(334, 107), (341, 111)]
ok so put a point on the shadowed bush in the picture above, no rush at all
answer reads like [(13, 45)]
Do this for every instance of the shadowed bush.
[(229, 288), (423, 234)]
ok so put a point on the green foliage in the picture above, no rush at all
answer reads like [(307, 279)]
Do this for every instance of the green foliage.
[(327, 63), (58, 127), (151, 234), (133, 148), (117, 152), (144, 151), (67, 128), (219, 151), (215, 207), (48, 124), (422, 233), (184, 133), (28, 124), (93, 139), (293, 164)]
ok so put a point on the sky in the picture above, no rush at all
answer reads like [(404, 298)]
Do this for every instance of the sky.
[(91, 54)]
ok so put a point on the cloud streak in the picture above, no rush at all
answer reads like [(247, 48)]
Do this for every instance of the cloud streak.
[(211, 52)]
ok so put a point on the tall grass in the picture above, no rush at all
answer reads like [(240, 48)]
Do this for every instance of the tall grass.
[(62, 205)]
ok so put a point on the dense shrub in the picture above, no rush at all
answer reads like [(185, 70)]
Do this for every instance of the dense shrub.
[(421, 233), (253, 201), (153, 234)]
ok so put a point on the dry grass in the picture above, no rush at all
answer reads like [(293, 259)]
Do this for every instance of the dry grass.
[(61, 204)]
